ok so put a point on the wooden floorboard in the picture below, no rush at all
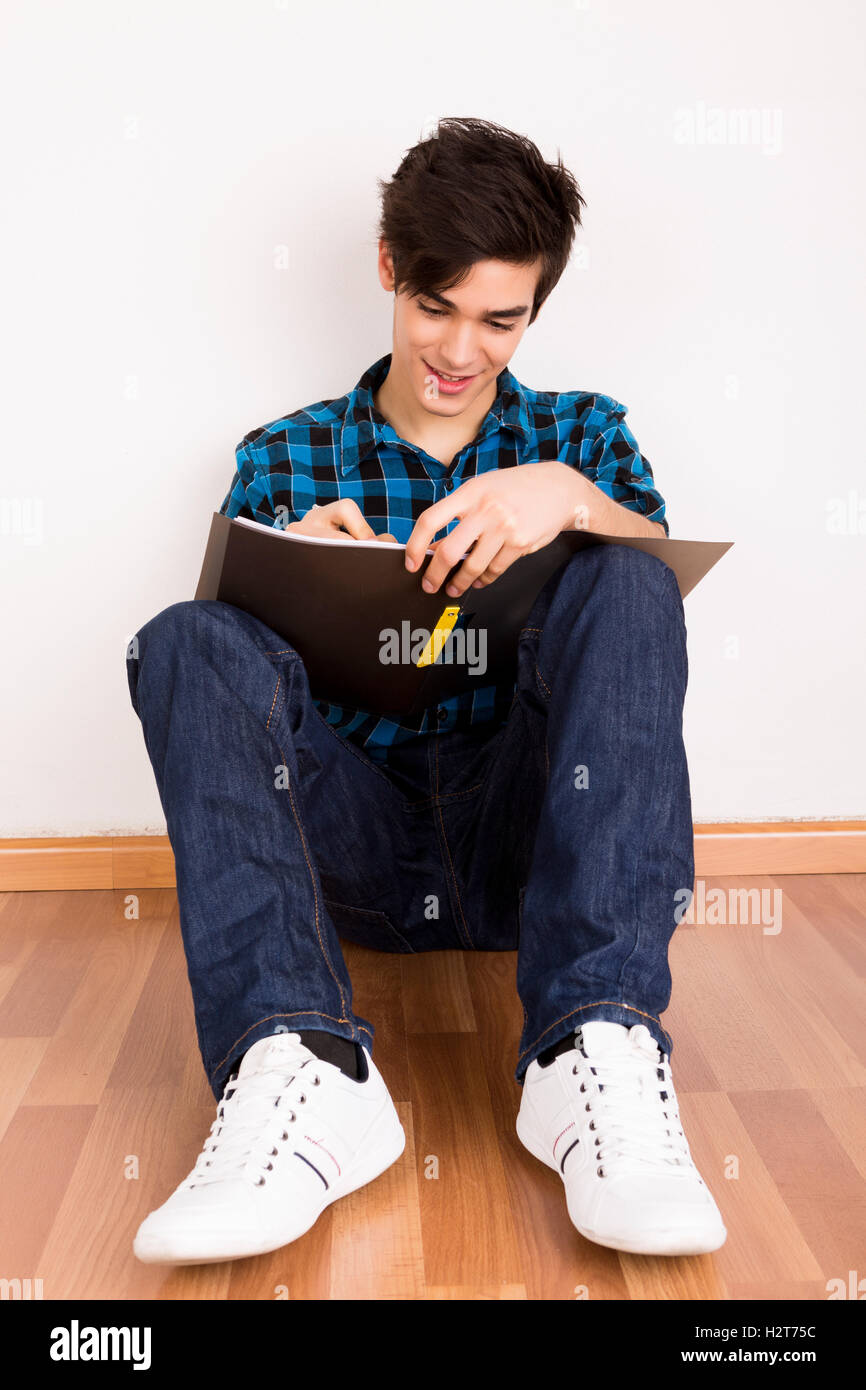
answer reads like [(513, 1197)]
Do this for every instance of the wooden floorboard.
[(104, 1107)]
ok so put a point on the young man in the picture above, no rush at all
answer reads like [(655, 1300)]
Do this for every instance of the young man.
[(551, 816)]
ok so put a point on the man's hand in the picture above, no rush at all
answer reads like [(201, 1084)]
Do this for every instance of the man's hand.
[(340, 519), (504, 514)]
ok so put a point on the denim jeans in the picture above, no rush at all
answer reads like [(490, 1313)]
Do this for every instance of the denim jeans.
[(564, 834)]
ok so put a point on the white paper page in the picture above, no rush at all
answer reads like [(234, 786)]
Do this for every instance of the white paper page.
[(321, 540)]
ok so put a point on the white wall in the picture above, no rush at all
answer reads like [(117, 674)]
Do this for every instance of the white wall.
[(156, 154)]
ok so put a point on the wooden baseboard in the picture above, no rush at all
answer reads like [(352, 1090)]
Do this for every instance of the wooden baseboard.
[(146, 861)]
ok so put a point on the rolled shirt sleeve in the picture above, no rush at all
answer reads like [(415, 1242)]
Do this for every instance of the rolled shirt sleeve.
[(614, 462), (249, 495)]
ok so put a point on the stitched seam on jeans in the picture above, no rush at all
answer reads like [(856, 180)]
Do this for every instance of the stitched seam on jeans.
[(639, 857), (446, 796), (312, 874), (617, 1004), (543, 682), (273, 702), (346, 743), (448, 851), (381, 919), (281, 703), (298, 1013)]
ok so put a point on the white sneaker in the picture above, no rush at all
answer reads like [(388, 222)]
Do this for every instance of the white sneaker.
[(292, 1134), (605, 1116)]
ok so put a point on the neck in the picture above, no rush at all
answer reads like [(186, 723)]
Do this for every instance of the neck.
[(439, 436)]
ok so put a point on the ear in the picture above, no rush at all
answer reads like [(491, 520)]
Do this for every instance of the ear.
[(386, 267)]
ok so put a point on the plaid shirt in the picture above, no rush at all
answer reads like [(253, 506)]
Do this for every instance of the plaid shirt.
[(346, 448)]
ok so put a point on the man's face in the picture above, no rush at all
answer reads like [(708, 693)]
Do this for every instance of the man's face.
[(470, 331)]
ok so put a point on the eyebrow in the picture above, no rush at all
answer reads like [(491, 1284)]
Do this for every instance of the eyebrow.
[(513, 313)]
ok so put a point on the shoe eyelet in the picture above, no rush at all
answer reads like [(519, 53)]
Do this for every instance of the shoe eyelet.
[(284, 1134), (600, 1172), (574, 1070), (260, 1183), (587, 1106), (592, 1124), (302, 1100), (315, 1081), (292, 1118), (270, 1167), (274, 1151)]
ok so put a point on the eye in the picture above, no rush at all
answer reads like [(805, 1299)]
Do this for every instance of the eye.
[(440, 314)]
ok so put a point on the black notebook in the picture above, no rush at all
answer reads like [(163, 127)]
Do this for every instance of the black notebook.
[(361, 623)]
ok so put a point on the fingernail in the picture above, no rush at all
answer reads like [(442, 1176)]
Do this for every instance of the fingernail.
[(428, 585), (410, 564), (452, 590)]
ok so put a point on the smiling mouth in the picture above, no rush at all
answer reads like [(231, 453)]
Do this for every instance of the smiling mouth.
[(445, 375)]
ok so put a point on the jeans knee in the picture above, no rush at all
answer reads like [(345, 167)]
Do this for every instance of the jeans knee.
[(631, 567), (163, 624), (208, 629), (183, 619)]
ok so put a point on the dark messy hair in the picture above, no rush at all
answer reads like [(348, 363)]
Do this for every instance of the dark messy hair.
[(475, 191)]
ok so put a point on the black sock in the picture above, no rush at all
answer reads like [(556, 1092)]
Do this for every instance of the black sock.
[(342, 1052), (328, 1047), (565, 1044)]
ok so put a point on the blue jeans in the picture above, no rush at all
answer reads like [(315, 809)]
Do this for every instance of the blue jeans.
[(287, 838)]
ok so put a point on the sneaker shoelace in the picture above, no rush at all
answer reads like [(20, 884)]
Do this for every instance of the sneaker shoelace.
[(244, 1138), (634, 1113)]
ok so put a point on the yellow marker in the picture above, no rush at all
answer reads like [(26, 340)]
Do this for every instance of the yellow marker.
[(439, 635)]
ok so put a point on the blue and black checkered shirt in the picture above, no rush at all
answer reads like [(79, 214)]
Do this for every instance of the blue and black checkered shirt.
[(346, 448)]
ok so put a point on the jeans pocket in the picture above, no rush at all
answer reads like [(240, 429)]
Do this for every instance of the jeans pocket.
[(368, 927)]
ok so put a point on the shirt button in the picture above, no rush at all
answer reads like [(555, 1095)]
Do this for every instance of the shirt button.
[(448, 484), (441, 713)]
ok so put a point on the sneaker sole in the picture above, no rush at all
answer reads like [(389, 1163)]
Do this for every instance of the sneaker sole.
[(155, 1249), (661, 1242)]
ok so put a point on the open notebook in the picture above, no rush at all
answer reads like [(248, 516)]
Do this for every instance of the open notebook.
[(361, 623)]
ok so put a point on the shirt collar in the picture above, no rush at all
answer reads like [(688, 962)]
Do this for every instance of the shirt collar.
[(363, 425)]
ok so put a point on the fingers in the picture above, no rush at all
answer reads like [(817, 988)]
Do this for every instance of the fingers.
[(505, 558), (484, 555), (501, 561), (341, 518), (431, 520), (450, 550), (348, 514)]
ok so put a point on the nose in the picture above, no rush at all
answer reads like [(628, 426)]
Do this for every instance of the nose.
[(460, 348)]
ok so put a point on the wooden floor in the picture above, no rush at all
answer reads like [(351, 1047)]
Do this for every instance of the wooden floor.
[(105, 1106)]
